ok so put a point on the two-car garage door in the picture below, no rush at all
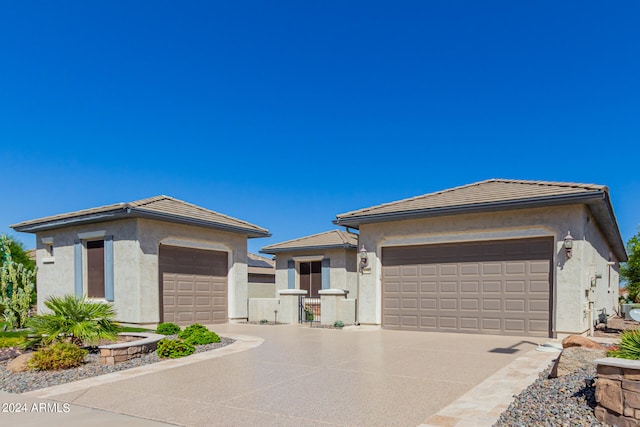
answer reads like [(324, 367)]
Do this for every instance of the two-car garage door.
[(193, 285), (492, 287)]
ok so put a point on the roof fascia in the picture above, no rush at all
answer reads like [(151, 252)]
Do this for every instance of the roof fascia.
[(356, 221), (275, 251)]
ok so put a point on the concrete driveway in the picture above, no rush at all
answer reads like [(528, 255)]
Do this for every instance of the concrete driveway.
[(310, 377)]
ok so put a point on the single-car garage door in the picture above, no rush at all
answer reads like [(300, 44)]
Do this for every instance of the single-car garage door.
[(193, 285), (493, 287)]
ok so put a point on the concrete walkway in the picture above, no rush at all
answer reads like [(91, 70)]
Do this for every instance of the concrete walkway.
[(310, 377)]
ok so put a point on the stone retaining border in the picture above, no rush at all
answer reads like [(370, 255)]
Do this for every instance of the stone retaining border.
[(111, 354)]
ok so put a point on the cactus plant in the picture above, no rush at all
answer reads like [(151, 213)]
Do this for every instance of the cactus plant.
[(16, 286)]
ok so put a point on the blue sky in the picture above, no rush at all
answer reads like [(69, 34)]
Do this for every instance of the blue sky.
[(287, 113)]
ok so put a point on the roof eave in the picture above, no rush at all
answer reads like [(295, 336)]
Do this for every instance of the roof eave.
[(35, 227), (251, 233), (274, 251), (129, 212), (356, 220)]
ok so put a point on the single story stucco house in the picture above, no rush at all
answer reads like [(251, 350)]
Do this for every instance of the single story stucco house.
[(320, 261), (158, 260), (499, 256)]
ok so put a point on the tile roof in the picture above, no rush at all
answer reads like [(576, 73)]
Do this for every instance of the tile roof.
[(479, 193), (326, 240), (158, 207)]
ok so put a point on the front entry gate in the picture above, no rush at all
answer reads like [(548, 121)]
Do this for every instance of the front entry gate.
[(309, 310)]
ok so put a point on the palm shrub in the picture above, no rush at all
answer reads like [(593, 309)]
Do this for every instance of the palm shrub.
[(629, 347), (73, 319)]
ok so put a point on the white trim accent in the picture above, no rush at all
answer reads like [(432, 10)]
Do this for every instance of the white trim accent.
[(309, 258), (194, 244), (468, 237), (92, 234), (292, 292)]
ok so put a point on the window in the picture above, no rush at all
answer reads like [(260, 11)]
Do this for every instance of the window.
[(311, 277), (95, 268)]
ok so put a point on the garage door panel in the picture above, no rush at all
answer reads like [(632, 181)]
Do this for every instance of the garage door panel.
[(410, 287), (428, 270), (492, 324), (469, 304), (515, 305), (491, 286), (194, 285), (448, 322), (428, 303), (470, 269), (391, 303), (409, 320), (451, 287), (491, 268), (449, 270), (539, 306), (428, 322), (539, 286), (514, 287), (497, 287), (470, 287), (409, 271), (538, 325), (470, 323), (515, 268), (448, 304), (515, 325)]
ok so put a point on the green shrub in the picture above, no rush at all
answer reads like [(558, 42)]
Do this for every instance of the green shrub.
[(167, 328), (6, 342), (264, 322), (60, 355), (629, 347), (201, 337), (186, 333), (173, 349), (338, 324)]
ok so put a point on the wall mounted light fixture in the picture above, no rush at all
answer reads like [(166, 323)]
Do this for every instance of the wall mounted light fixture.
[(363, 257), (568, 244)]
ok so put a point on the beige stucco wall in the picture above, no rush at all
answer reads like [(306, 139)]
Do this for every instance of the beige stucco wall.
[(343, 269), (152, 233), (571, 276), (56, 275), (135, 251)]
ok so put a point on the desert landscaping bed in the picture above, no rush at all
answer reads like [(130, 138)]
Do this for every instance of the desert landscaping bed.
[(22, 382)]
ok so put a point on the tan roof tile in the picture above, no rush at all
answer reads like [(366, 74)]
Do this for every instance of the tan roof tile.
[(484, 192), (328, 239), (159, 207)]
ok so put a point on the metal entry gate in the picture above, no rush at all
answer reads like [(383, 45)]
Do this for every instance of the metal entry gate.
[(309, 310)]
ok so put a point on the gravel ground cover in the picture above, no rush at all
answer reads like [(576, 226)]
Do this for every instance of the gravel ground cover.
[(22, 382), (564, 401)]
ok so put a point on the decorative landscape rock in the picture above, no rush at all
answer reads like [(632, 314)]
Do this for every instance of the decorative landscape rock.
[(574, 358), (580, 341), (19, 364)]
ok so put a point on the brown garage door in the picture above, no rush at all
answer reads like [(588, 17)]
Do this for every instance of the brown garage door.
[(497, 287), (193, 285)]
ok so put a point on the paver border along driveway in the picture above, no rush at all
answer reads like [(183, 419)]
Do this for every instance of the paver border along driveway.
[(301, 376)]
